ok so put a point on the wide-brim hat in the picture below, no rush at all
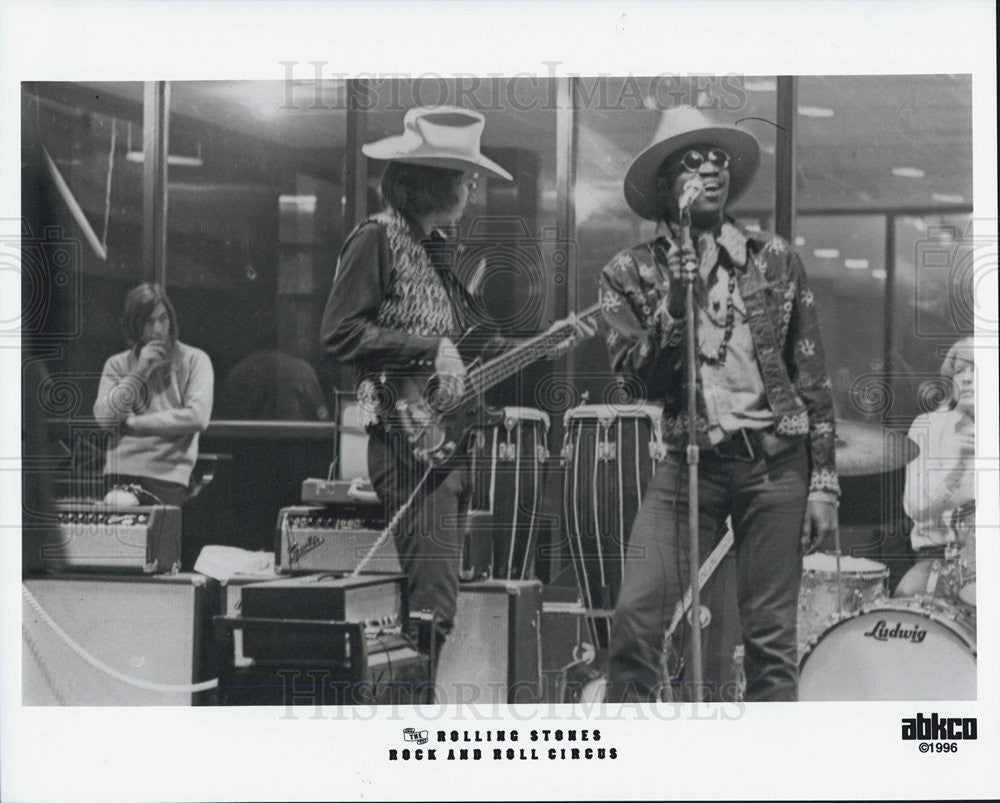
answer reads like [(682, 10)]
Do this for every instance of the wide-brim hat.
[(682, 127), (438, 136)]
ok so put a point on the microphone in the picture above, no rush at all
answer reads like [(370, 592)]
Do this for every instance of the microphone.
[(693, 187)]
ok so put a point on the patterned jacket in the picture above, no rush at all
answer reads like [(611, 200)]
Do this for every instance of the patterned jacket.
[(646, 343)]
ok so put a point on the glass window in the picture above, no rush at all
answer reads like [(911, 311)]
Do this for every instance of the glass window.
[(932, 305), (255, 221), (82, 236), (844, 260), (882, 161)]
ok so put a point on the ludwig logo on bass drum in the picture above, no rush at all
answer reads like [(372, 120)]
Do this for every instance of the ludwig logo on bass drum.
[(882, 632)]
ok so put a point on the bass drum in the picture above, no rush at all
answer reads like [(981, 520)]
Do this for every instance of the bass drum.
[(916, 649)]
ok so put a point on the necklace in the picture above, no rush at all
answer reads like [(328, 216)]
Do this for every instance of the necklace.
[(719, 357)]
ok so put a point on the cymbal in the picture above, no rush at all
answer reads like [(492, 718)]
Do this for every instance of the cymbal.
[(869, 449)]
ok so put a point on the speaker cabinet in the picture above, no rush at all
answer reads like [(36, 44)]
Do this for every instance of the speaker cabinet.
[(494, 653), (151, 629)]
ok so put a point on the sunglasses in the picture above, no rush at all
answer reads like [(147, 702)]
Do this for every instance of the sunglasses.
[(694, 159)]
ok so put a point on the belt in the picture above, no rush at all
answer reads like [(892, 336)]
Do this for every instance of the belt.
[(744, 444)]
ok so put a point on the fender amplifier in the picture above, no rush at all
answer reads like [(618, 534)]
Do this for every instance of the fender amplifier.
[(98, 537), (324, 539)]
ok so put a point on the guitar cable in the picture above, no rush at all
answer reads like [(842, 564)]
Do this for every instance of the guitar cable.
[(393, 523)]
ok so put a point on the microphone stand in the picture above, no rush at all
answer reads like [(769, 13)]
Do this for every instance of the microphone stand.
[(688, 273)]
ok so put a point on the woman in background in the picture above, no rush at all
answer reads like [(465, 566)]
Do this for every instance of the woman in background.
[(158, 395)]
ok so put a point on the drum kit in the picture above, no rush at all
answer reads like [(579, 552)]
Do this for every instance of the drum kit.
[(857, 644)]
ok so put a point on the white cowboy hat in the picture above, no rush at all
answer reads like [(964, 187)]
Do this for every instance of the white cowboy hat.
[(682, 127), (438, 136)]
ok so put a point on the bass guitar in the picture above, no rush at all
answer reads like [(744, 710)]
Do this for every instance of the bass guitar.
[(438, 413)]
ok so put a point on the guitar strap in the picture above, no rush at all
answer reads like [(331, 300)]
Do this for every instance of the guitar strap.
[(707, 569)]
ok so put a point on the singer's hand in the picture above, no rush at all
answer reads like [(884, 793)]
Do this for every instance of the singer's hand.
[(693, 187), (689, 259), (819, 524), (680, 262)]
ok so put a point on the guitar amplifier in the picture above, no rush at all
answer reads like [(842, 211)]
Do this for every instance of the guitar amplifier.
[(377, 603), (150, 628), (98, 537), (351, 668), (322, 539), (494, 649), (354, 493)]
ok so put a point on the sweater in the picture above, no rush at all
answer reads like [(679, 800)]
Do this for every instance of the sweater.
[(170, 408)]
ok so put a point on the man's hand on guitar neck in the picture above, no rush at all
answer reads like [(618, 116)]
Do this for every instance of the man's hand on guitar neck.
[(577, 330)]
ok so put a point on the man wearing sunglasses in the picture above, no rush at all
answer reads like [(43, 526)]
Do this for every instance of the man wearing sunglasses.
[(764, 416)]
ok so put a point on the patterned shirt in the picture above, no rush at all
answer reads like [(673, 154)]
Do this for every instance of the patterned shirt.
[(646, 342)]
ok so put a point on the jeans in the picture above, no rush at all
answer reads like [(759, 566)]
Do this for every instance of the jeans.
[(766, 499), (430, 535)]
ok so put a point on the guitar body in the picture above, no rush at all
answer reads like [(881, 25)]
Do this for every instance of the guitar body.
[(437, 425)]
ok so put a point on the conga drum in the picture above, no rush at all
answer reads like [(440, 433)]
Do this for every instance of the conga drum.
[(509, 463), (609, 455)]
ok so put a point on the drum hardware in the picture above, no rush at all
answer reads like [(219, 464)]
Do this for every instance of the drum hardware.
[(864, 449), (608, 451), (967, 594), (953, 575)]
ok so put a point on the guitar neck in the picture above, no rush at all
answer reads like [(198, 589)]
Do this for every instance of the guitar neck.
[(523, 354)]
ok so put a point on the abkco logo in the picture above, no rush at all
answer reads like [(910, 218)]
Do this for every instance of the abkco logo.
[(936, 727)]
